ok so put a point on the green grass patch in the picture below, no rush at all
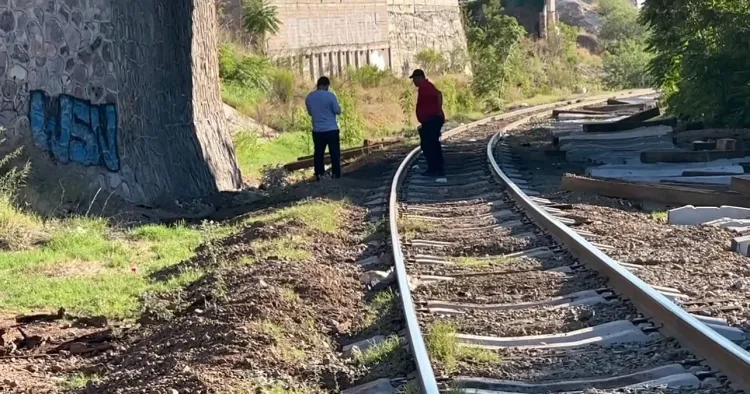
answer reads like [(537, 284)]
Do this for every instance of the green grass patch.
[(242, 98), (469, 261), (80, 381), (659, 216), (286, 247), (323, 215), (445, 348), (412, 227), (253, 153), (381, 305), (88, 267), (379, 352)]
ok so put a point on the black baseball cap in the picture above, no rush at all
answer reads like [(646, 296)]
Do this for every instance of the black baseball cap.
[(417, 73)]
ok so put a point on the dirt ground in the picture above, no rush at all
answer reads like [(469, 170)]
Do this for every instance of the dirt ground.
[(253, 323)]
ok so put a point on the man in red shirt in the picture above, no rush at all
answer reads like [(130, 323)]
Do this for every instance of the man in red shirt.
[(431, 117)]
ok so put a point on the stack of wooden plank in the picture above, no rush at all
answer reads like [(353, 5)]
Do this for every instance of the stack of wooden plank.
[(636, 155)]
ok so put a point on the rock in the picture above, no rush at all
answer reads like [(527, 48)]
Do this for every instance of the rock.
[(370, 277), (580, 13), (362, 346), (380, 386)]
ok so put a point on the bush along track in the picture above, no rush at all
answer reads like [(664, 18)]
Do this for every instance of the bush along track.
[(294, 298)]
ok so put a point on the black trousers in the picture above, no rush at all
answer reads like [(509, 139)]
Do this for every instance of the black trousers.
[(330, 139), (429, 136)]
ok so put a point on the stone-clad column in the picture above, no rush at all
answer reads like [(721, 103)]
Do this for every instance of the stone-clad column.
[(173, 136)]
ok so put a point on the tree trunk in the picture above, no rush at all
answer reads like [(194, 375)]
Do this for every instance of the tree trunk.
[(173, 140)]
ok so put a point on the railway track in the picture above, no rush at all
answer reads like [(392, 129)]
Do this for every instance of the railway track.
[(500, 295)]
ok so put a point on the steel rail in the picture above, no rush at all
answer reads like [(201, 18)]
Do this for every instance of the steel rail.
[(721, 353), (426, 376)]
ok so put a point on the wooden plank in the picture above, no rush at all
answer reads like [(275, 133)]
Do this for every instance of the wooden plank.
[(740, 185), (690, 156), (672, 195), (357, 149), (614, 101), (615, 108), (689, 136), (620, 126), (308, 163), (558, 112), (642, 116)]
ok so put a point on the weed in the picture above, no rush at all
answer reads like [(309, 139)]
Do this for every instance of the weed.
[(284, 346), (368, 76), (659, 216), (322, 215), (470, 261), (380, 352), (445, 348), (80, 380), (382, 305), (412, 227), (285, 247)]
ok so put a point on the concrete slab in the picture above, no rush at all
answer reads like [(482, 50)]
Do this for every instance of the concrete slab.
[(380, 386), (741, 245), (661, 170), (620, 331), (690, 215), (665, 374), (621, 145), (642, 132)]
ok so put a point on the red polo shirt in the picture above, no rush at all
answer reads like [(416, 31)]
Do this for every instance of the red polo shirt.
[(428, 102)]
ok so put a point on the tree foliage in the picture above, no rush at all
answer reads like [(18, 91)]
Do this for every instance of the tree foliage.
[(620, 23), (493, 40), (623, 36), (702, 57), (260, 19)]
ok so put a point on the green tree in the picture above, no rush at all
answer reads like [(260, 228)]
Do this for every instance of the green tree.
[(626, 66), (259, 20), (702, 53), (493, 40), (620, 23)]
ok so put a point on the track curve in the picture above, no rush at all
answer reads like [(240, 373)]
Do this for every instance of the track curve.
[(722, 354)]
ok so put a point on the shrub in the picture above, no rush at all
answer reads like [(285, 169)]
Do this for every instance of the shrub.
[(620, 23), (432, 62), (367, 76), (282, 85), (702, 52), (351, 123), (627, 66), (247, 70), (407, 100), (457, 96)]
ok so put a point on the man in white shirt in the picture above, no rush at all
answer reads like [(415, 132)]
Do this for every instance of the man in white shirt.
[(323, 107)]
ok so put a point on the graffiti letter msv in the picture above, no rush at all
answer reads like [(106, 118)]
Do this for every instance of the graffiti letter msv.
[(74, 130)]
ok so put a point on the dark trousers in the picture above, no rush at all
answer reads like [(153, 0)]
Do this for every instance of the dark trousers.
[(321, 139), (429, 136)]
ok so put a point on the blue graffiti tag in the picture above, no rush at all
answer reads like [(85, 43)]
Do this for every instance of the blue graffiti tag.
[(74, 130)]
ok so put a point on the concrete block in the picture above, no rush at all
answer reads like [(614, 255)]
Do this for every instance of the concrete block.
[(691, 215), (741, 245), (362, 346), (369, 262), (380, 386), (726, 144)]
